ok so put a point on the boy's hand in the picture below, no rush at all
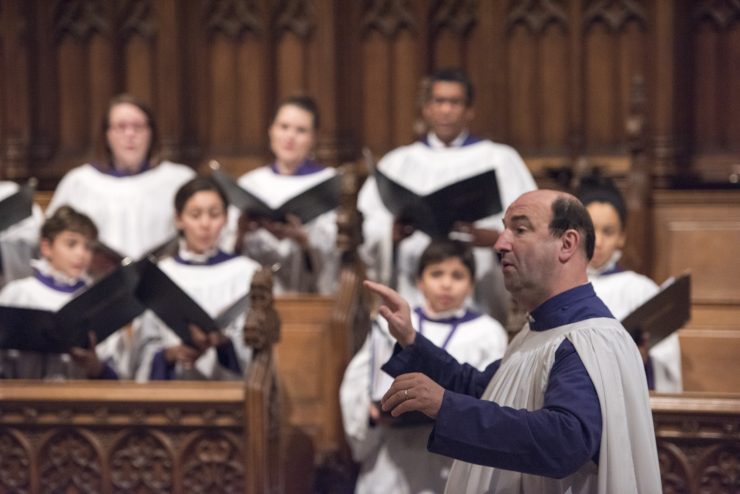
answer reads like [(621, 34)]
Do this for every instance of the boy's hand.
[(217, 339), (87, 358), (182, 354), (199, 338), (396, 311), (379, 417)]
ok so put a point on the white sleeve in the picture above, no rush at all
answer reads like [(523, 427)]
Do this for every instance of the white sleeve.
[(377, 228), (322, 241), (666, 360), (354, 399), (63, 193)]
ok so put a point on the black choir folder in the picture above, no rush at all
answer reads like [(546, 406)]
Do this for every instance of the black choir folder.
[(175, 307), (435, 214), (664, 313), (105, 307), (308, 205), (111, 255), (17, 207)]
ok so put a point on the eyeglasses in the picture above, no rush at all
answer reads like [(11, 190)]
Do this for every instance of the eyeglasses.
[(121, 127), (439, 100)]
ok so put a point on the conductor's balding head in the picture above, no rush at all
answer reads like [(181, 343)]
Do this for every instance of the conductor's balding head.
[(546, 244)]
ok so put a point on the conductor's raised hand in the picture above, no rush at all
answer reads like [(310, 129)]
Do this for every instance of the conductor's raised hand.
[(396, 311), (413, 392)]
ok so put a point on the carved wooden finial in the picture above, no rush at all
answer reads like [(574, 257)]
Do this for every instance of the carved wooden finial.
[(349, 219), (262, 326), (636, 119)]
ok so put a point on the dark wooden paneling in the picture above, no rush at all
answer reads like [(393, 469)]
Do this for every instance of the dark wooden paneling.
[(699, 231), (553, 76), (709, 359)]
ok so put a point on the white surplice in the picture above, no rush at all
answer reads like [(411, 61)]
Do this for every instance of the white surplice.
[(134, 214), (628, 459)]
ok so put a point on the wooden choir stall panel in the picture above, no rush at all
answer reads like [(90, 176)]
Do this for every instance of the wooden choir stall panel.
[(319, 335), (103, 437), (699, 231), (698, 437)]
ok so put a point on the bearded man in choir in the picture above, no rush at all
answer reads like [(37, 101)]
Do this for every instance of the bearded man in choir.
[(447, 154)]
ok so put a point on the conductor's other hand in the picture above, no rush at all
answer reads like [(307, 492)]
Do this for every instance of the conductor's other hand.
[(396, 311), (413, 392)]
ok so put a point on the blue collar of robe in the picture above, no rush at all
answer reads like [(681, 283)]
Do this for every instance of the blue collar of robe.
[(469, 139), (218, 257), (113, 172), (57, 285), (467, 316), (307, 167), (571, 306), (613, 270)]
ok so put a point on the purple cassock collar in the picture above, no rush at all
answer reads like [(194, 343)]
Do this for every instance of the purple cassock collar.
[(307, 167), (113, 172), (469, 140), (453, 321), (571, 306), (57, 285), (218, 257)]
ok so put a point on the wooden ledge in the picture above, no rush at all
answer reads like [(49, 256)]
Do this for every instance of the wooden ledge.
[(212, 392)]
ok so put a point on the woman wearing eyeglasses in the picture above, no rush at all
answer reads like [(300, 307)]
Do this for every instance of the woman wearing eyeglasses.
[(127, 193)]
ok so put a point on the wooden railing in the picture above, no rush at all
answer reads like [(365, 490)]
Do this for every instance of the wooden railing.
[(102, 437), (698, 442)]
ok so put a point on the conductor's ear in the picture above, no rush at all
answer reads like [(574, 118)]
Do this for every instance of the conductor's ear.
[(570, 243)]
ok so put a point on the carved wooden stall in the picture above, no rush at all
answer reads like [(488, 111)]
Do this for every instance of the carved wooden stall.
[(108, 436), (698, 442), (699, 231), (319, 336), (101, 437)]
